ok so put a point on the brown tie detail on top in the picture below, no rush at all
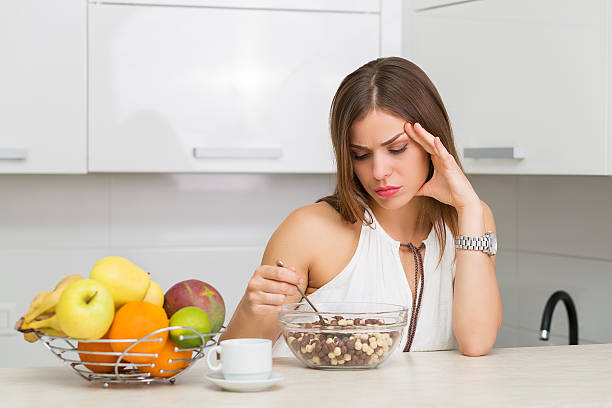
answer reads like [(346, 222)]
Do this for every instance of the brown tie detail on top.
[(416, 305)]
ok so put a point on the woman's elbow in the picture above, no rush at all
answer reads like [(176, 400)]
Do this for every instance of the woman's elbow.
[(472, 351), (476, 343), (476, 349)]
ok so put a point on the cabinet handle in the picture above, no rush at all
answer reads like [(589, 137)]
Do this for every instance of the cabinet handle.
[(237, 152), (494, 153), (13, 154)]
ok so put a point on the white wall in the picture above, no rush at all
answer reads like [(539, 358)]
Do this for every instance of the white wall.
[(553, 232), (209, 227)]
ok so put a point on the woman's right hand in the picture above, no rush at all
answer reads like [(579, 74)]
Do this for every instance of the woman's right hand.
[(269, 288)]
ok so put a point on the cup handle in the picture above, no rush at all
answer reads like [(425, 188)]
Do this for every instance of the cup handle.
[(213, 352)]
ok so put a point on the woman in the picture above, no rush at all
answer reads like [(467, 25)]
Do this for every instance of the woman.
[(389, 229)]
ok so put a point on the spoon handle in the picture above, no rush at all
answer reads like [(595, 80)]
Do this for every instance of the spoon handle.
[(282, 265)]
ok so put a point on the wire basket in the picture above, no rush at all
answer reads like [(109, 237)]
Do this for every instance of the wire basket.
[(66, 349)]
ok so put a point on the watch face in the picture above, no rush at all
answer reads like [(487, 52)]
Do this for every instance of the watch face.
[(493, 243)]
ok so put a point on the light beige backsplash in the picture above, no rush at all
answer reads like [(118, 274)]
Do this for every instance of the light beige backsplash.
[(553, 232)]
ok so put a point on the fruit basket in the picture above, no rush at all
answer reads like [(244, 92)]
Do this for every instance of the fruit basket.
[(122, 371), (353, 335)]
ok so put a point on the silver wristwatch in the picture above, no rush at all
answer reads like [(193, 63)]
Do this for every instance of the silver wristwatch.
[(487, 243)]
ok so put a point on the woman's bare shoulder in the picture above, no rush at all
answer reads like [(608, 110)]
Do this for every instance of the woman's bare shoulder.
[(316, 240), (312, 227), (320, 219)]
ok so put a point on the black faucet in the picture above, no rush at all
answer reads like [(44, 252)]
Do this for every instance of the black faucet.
[(571, 314)]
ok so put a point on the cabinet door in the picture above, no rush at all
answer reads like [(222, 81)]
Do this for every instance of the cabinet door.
[(43, 86), (520, 75), (311, 5), (422, 5), (183, 89)]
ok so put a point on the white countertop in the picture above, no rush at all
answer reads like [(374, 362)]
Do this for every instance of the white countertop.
[(529, 376)]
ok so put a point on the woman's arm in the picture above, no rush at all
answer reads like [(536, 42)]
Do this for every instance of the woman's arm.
[(271, 286), (477, 307)]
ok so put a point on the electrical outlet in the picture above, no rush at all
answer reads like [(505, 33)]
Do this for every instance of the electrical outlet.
[(8, 317)]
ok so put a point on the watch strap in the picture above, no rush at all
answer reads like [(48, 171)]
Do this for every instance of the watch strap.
[(473, 243)]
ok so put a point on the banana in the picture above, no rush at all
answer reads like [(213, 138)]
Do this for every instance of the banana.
[(45, 302), (47, 321), (36, 304), (41, 314), (52, 332), (18, 324), (30, 337), (28, 334)]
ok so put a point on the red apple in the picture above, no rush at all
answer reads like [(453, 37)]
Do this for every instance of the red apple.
[(200, 294)]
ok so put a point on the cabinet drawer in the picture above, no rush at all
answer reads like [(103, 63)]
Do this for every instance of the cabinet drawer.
[(188, 89)]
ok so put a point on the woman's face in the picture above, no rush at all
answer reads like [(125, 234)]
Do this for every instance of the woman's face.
[(391, 166)]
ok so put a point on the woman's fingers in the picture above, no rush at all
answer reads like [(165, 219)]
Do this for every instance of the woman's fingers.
[(272, 279), (422, 137), (432, 145), (264, 310), (271, 286), (277, 273), (269, 289), (264, 298)]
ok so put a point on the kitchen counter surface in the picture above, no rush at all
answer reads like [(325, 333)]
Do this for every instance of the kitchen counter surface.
[(530, 376)]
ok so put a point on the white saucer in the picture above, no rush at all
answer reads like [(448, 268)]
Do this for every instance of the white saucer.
[(244, 385)]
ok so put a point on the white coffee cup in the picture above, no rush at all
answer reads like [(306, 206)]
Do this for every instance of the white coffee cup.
[(242, 359)]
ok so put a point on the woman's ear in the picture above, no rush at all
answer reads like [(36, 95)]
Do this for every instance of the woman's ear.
[(431, 170)]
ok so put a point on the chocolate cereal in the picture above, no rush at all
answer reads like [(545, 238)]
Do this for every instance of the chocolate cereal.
[(345, 348)]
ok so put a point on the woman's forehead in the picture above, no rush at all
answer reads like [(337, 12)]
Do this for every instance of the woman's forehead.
[(375, 128)]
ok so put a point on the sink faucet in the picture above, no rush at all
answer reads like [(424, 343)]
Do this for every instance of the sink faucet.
[(571, 314)]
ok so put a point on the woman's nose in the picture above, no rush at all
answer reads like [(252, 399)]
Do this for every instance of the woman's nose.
[(382, 168)]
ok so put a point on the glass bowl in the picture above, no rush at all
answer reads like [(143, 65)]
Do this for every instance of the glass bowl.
[(356, 334)]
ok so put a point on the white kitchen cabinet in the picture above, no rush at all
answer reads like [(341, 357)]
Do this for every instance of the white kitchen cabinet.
[(43, 86), (422, 5), (609, 82), (310, 5), (204, 88), (521, 78)]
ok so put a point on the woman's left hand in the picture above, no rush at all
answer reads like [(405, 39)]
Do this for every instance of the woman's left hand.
[(448, 184)]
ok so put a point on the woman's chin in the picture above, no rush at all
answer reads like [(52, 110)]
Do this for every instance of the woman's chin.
[(391, 203)]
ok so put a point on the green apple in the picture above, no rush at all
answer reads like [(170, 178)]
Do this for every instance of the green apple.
[(193, 317), (154, 295), (126, 281), (85, 310)]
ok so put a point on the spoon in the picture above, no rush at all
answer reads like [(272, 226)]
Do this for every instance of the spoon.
[(323, 322)]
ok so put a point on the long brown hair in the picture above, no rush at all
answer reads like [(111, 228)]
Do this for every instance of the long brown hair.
[(399, 87)]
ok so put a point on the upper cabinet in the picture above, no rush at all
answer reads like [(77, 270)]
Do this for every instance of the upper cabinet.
[(232, 86), (422, 5), (43, 86), (526, 83)]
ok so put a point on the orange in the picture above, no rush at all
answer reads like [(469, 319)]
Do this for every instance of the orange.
[(161, 362), (97, 358), (135, 320)]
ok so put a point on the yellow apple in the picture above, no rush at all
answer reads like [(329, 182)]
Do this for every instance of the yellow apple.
[(126, 281), (154, 295), (85, 310)]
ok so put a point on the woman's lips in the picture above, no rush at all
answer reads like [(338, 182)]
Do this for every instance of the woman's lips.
[(387, 191)]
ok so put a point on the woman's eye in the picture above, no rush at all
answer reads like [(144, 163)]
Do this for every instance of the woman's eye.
[(396, 151), (393, 151)]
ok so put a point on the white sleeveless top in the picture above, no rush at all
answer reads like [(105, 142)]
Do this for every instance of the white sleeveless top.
[(375, 274)]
